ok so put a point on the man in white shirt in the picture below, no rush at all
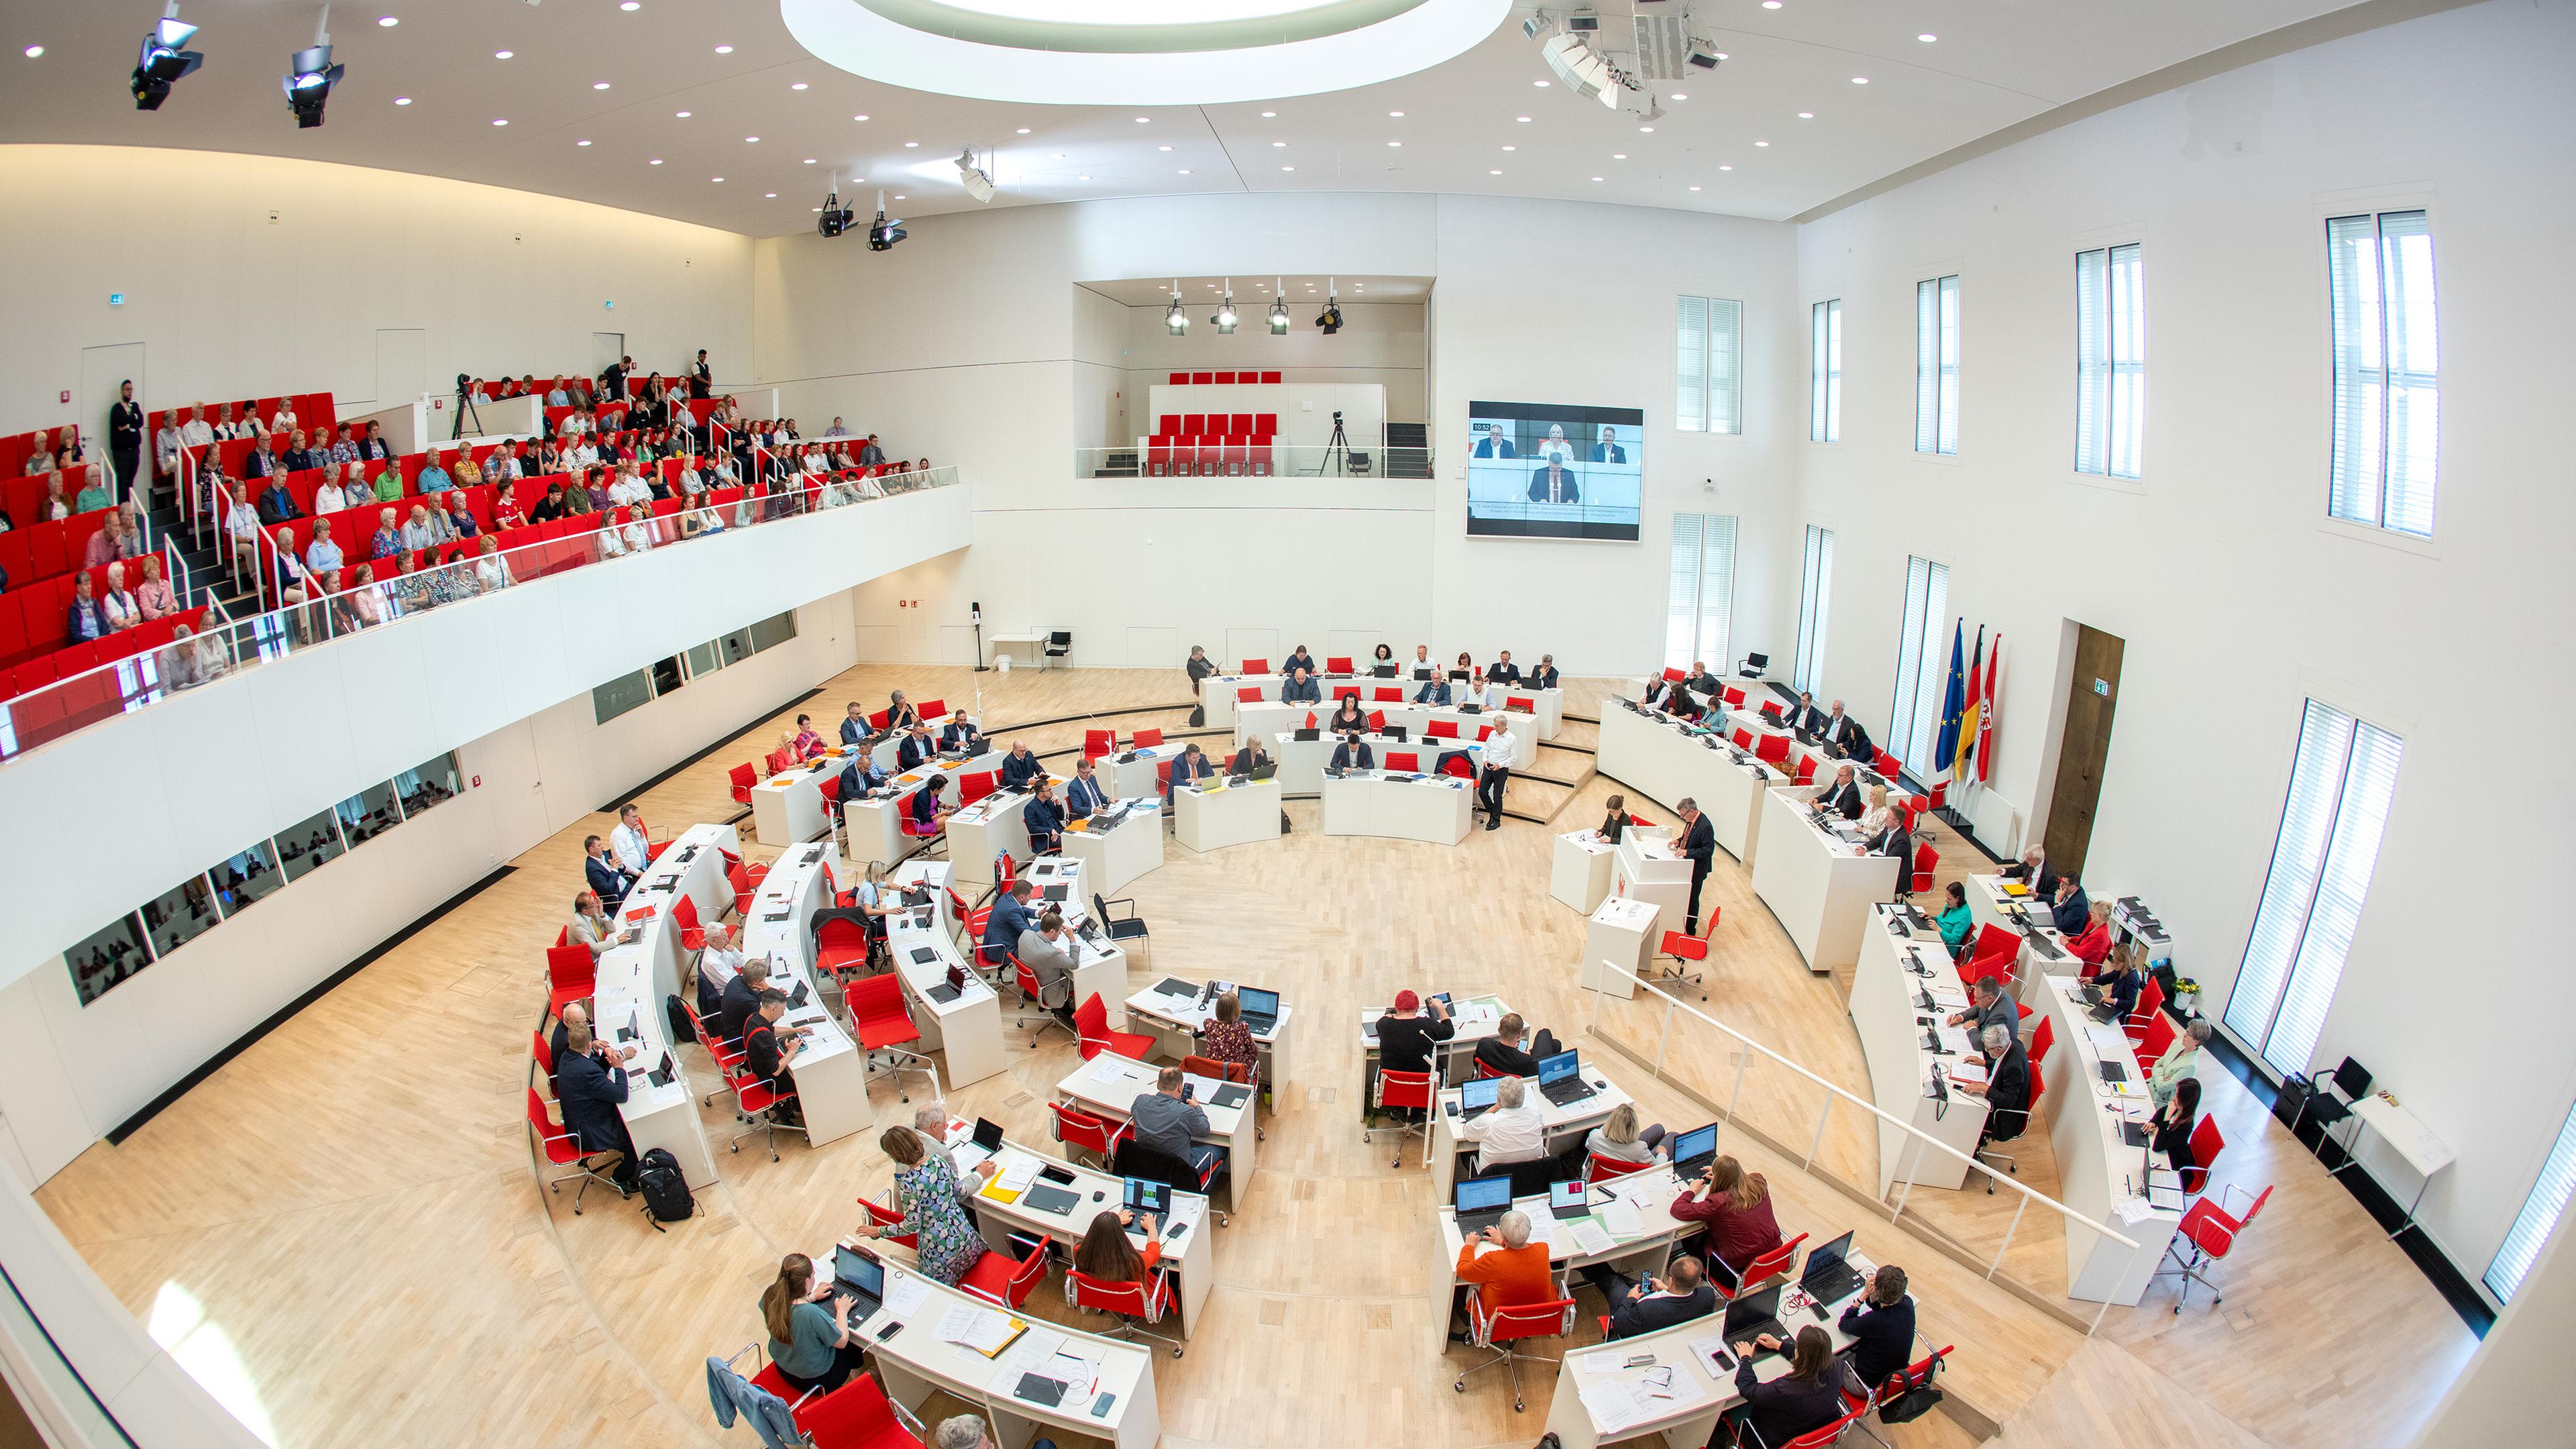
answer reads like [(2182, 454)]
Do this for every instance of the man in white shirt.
[(193, 430), (627, 841), (1511, 1132), (574, 424), (1499, 750), (629, 488), (721, 962)]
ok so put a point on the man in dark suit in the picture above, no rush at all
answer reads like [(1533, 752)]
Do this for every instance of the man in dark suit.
[(590, 1084), (1841, 729), (1680, 1295), (1503, 670), (1086, 793), (1002, 929), (2033, 867), (1019, 768), (855, 729), (607, 880), (1434, 690), (1493, 444), (1193, 765), (125, 436), (861, 775), (2070, 913), (1881, 1323), (741, 998), (1301, 688), (1044, 817), (1608, 449), (1553, 484), (1804, 715), (1896, 842), (2007, 1086), (1545, 675), (917, 746), (702, 378), (1699, 846), (1352, 753), (1842, 797)]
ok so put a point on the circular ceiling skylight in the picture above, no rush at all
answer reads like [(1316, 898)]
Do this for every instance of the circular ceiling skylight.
[(1137, 52)]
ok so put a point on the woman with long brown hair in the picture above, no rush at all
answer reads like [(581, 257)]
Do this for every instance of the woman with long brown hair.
[(1104, 1252), (1807, 1398), (811, 1344), (1736, 1205)]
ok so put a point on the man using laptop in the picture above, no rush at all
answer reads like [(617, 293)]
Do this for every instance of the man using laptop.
[(1842, 797), (1679, 1295), (1044, 950), (1502, 1052), (1352, 753), (1019, 767), (1512, 1132), (1168, 1124)]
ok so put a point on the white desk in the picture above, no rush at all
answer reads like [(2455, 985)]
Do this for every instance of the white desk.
[(1453, 1061), (1565, 1127), (1212, 817), (968, 1028), (1109, 1084), (1649, 868), (918, 1362), (787, 808), (1027, 651), (1131, 778), (1886, 1011), (1667, 760), (2407, 1136), (1817, 882), (1302, 762), (1616, 944), (1221, 696), (1433, 808), (831, 1072), (930, 875), (2043, 950), (640, 974), (1189, 1251), (1637, 1253), (1579, 869), (2098, 1173), (994, 824), (1273, 719), (1174, 1019), (1131, 847), (876, 824)]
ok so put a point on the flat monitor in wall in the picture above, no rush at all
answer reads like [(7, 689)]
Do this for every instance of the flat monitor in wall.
[(1554, 470)]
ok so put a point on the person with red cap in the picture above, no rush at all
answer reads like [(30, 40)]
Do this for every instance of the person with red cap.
[(1405, 1035)]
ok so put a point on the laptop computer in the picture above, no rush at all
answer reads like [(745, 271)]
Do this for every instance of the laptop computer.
[(1147, 1197), (1753, 1315), (1560, 1078), (1308, 735), (1829, 1276), (1567, 1200), (988, 1135), (860, 1279), (1694, 1151), (1481, 1202), (1260, 1009), (1478, 1095), (1265, 769), (1054, 894)]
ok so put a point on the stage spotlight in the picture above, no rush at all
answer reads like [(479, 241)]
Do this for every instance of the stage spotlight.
[(884, 234), (1330, 319), (1587, 70), (310, 75), (1224, 318), (977, 181), (1177, 320), (1533, 27), (1279, 310), (162, 61)]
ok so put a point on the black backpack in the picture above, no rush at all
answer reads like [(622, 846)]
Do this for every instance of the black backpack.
[(678, 1016), (666, 1192), (1914, 1397)]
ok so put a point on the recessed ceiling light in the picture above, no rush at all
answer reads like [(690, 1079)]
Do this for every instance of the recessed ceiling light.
[(912, 143), (724, 50), (1761, 143), (1399, 115), (1596, 178), (581, 143), (1721, 55), (599, 85), (1681, 95), (1162, 148), (1770, 4), (683, 115), (769, 195), (657, 161), (1266, 115), (1395, 143), (388, 21), (1082, 178), (402, 100), (1806, 115), (1493, 173), (898, 196), (809, 160), (1185, 173), (1618, 155), (1141, 120), (34, 50), (1524, 120), (629, 5), (502, 54), (1649, 130), (858, 118), (1726, 168), (800, 85), (1278, 143), (747, 140), (1511, 148), (1860, 80), (1927, 37), (717, 179), (1542, 85), (1287, 168), (500, 121), (1024, 130), (1694, 188)]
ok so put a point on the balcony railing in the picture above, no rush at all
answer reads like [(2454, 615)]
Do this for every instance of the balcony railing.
[(1235, 462), (229, 646)]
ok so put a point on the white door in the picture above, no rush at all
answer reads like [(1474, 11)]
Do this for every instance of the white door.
[(402, 367), (605, 348), (103, 371)]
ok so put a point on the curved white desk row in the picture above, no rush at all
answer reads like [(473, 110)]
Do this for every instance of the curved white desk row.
[(1221, 696), (1432, 808), (1189, 1247), (1670, 761), (1898, 983), (1817, 881), (641, 973), (876, 823), (1265, 720), (1301, 762), (831, 1072)]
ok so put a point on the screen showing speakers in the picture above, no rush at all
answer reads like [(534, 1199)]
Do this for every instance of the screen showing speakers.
[(1554, 470)]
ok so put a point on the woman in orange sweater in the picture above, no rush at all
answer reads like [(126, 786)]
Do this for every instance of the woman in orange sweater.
[(1511, 1272), (1104, 1252)]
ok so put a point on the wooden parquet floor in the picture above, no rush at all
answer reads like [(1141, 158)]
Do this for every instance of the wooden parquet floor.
[(339, 1233)]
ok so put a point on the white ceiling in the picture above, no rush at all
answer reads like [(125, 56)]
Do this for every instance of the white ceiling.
[(1995, 63), (1157, 291)]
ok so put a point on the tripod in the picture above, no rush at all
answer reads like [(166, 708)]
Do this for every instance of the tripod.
[(1337, 451), (464, 410)]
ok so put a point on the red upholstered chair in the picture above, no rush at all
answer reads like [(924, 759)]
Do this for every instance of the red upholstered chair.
[(998, 1280), (858, 1415), (1337, 664), (1806, 768), (1406, 1090), (1921, 1371), (1520, 704), (1403, 760), (974, 787), (1134, 1303), (758, 1103), (1096, 743), (1680, 946), (1091, 1024), (1772, 748), (1674, 674), (2159, 1039), (1266, 425), (1377, 721), (562, 1151), (2042, 1038), (884, 1025), (1773, 1264), (1248, 694), (743, 778), (1256, 666), (1994, 940), (1074, 1127), (881, 1218), (2206, 1143), (2151, 1000), (1610, 1169), (1145, 739), (1504, 1327), (840, 944), (1734, 697), (933, 709), (1455, 766), (1888, 764), (772, 1381), (1486, 1069), (1194, 424), (1925, 858), (1743, 738), (916, 830), (570, 975), (1442, 729), (2211, 1234), (544, 1054)]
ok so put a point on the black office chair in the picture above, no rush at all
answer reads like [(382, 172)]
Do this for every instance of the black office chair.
[(1753, 665), (2330, 1110), (1534, 1176), (1059, 644), (1121, 929), (1135, 1159)]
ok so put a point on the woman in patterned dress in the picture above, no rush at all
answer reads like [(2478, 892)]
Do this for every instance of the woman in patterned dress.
[(929, 1192)]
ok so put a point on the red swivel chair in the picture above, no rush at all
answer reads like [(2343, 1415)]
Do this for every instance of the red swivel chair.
[(1134, 1303), (1074, 1127), (1442, 729), (1504, 1327), (1806, 770), (1145, 739), (974, 787), (1995, 1124), (884, 1024), (1772, 749), (1256, 666), (1925, 858), (1681, 946), (1091, 1027), (2206, 1143), (1819, 1438), (1609, 1169), (841, 943), (1455, 766), (933, 836), (2151, 1000), (1743, 738), (771, 1381), (858, 1415), (2042, 1038), (1887, 764), (2158, 1040), (1384, 694), (1337, 664), (1996, 941), (1403, 760), (740, 880), (1486, 1070), (2211, 1233), (562, 1151), (1405, 1090), (1096, 743), (744, 777), (1248, 694), (882, 1218), (829, 787), (544, 1055), (1773, 1264), (725, 1052), (1520, 705), (976, 920), (1006, 1284), (1032, 993), (757, 1102), (1734, 697), (572, 976)]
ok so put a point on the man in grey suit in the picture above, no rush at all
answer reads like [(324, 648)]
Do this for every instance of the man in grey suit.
[(1049, 956)]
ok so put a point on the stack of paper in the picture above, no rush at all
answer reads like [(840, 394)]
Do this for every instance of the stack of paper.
[(1621, 1219), (2109, 1042), (1613, 1404), (905, 1295), (980, 1329), (1589, 1237), (1712, 1355)]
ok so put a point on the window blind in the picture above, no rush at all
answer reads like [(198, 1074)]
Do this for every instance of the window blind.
[(1825, 372), (2092, 361), (2128, 360), (2386, 362), (1948, 439), (1681, 598), (2361, 817), (2414, 400), (1815, 588), (2539, 1214), (1708, 361), (1909, 652), (1690, 365), (1931, 670), (2298, 857), (1927, 366), (1716, 590)]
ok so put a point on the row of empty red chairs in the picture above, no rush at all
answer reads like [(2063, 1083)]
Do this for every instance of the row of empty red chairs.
[(1210, 458), (1180, 379), (1218, 425)]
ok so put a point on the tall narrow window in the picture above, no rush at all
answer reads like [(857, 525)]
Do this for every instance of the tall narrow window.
[(1815, 591), (1707, 365), (2340, 790), (1936, 365), (2387, 405), (1702, 592), (2539, 1214), (1921, 672), (1825, 372), (2110, 360)]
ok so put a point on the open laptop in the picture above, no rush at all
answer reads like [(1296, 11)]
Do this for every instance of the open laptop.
[(1829, 1277), (1147, 1197), (860, 1279), (1265, 769), (1560, 1078), (1567, 1199), (1481, 1202), (1753, 1315), (1260, 1009), (1478, 1095), (1694, 1151), (988, 1135)]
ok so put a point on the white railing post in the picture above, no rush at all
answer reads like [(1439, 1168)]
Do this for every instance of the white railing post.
[(1905, 1186), (1816, 1144), (1665, 1042), (2006, 1246)]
